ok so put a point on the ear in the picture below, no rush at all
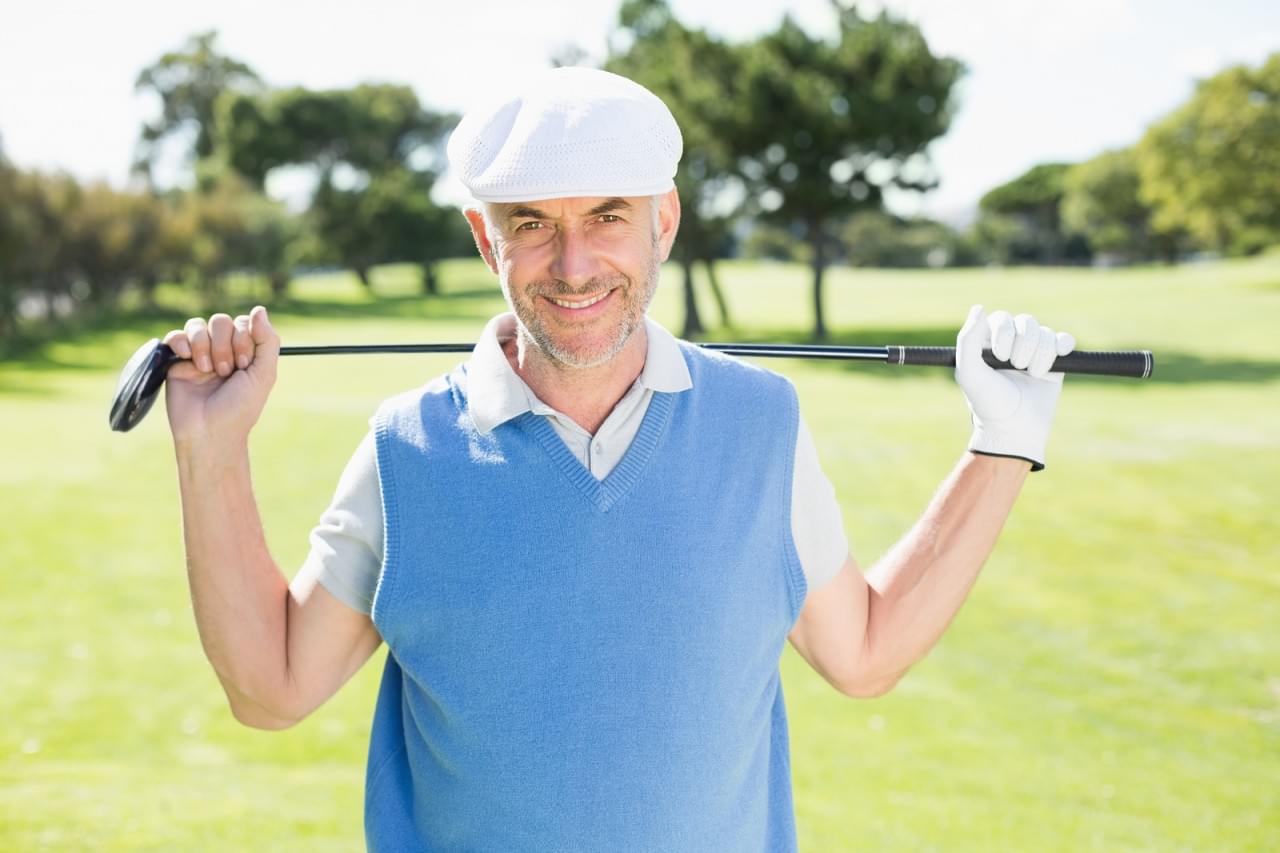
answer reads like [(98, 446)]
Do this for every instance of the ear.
[(668, 221), (480, 233)]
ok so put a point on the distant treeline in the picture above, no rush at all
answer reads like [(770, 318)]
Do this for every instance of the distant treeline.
[(790, 142), (1203, 179)]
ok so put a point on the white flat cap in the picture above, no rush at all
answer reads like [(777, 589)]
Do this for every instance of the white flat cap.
[(570, 132)]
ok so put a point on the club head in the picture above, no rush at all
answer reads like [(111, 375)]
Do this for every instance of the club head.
[(139, 384)]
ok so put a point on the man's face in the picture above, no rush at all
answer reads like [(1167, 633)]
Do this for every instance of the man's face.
[(579, 273)]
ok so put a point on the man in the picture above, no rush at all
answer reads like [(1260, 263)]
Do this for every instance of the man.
[(586, 546)]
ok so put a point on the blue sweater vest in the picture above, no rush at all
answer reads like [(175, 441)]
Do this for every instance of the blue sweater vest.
[(584, 665)]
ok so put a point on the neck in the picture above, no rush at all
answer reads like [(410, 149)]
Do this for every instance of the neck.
[(585, 394)]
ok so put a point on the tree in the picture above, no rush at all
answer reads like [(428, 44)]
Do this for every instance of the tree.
[(188, 82), (1212, 167), (769, 242), (824, 126), (15, 234), (996, 237), (368, 128), (72, 243), (228, 226), (1101, 201), (694, 75), (391, 219), (877, 239), (163, 253), (376, 152), (1031, 204), (40, 213), (103, 245)]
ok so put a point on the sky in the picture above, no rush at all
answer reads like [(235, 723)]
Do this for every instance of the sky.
[(1046, 80)]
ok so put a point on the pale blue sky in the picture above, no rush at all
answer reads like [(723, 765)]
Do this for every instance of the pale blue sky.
[(1047, 80)]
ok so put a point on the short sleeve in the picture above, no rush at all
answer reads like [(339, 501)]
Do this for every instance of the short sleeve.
[(347, 543), (817, 524)]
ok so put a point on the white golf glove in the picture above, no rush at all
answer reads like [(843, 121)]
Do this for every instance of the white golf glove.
[(1012, 410)]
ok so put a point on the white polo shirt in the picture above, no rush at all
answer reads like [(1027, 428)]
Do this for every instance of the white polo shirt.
[(347, 544)]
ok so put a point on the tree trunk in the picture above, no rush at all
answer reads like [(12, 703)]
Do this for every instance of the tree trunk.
[(210, 285), (819, 267), (103, 293), (430, 284), (692, 322), (362, 273), (721, 305), (147, 285), (8, 316), (279, 285)]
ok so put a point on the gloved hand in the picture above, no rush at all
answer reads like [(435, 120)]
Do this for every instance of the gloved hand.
[(1012, 410)]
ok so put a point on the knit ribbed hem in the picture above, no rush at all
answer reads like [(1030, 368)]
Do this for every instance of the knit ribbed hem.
[(797, 583), (390, 516)]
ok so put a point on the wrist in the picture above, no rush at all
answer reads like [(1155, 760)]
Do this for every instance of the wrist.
[(1009, 461), (1017, 445), (202, 450)]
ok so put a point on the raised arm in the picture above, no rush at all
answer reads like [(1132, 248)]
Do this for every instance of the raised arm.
[(862, 633), (278, 653)]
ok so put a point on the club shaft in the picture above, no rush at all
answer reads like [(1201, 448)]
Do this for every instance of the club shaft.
[(774, 350), (1136, 364)]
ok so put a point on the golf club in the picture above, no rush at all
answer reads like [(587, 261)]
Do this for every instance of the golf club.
[(145, 371)]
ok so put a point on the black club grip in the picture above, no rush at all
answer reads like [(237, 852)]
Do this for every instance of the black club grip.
[(1136, 364)]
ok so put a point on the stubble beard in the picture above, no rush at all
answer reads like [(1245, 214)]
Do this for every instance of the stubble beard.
[(636, 296)]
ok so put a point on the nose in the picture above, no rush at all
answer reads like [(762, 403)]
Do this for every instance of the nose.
[(575, 262)]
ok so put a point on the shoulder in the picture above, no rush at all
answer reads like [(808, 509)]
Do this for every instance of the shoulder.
[(762, 401), (409, 413), (732, 372), (442, 385)]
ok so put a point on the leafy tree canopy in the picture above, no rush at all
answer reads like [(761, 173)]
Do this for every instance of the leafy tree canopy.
[(1100, 201), (370, 127), (1037, 191), (1212, 166), (189, 82), (826, 125)]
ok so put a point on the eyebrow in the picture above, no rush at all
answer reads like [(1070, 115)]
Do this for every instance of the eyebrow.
[(606, 206), (609, 205), (525, 213)]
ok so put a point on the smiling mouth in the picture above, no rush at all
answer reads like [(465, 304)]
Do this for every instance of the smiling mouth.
[(585, 303)]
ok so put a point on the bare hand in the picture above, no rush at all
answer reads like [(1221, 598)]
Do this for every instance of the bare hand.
[(218, 390)]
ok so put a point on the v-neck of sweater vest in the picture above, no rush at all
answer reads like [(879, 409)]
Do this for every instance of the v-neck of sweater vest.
[(604, 494)]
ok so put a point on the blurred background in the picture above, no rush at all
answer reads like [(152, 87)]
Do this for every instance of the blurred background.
[(853, 173)]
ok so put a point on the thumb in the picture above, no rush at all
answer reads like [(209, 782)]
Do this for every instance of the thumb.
[(974, 336), (266, 343), (987, 392)]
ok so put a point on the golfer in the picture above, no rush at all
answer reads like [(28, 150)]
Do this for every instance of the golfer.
[(586, 546)]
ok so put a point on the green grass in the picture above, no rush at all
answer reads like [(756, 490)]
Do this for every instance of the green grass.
[(1113, 682)]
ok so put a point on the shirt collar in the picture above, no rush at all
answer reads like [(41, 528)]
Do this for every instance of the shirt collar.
[(497, 394)]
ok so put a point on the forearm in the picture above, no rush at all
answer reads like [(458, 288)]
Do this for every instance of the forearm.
[(238, 593), (917, 588)]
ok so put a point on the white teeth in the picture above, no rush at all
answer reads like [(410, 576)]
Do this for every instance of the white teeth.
[(563, 304)]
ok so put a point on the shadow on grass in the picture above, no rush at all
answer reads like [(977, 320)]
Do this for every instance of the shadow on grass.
[(8, 388), (458, 305), (1170, 367), (89, 336), (45, 348)]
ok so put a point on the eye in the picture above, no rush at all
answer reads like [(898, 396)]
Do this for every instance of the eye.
[(531, 225), (610, 217)]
